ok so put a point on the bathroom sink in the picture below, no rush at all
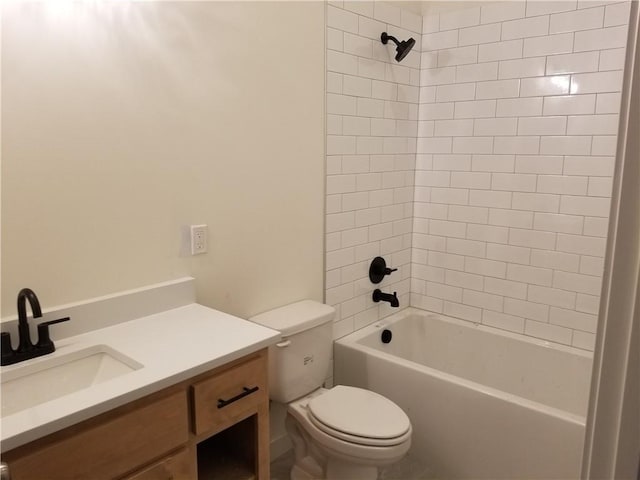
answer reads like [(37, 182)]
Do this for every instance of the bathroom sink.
[(48, 378)]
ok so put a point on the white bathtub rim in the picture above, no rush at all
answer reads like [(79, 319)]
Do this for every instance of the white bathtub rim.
[(363, 332)]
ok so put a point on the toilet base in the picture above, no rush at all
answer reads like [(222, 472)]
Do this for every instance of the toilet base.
[(298, 473), (335, 470), (313, 462), (339, 470)]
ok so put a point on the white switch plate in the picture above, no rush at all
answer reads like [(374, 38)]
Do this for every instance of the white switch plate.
[(198, 239)]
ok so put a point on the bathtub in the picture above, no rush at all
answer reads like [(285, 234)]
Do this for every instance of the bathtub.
[(483, 403)]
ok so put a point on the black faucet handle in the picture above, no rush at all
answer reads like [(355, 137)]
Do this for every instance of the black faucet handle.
[(44, 341)]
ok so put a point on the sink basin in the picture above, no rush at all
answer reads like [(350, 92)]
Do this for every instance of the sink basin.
[(48, 378)]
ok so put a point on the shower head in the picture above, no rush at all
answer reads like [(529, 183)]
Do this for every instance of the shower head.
[(402, 48)]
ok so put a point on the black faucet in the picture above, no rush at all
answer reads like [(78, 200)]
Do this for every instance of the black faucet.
[(386, 297), (23, 324), (26, 349)]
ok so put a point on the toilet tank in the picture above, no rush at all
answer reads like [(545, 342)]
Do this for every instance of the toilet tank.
[(298, 364)]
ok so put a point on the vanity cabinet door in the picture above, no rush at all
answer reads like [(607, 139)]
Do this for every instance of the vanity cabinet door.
[(177, 466), (108, 446)]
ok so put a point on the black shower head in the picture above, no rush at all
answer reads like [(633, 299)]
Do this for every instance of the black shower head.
[(402, 48)]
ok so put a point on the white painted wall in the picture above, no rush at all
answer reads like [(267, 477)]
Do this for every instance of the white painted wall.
[(122, 123)]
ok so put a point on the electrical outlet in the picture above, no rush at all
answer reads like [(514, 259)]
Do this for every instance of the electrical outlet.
[(198, 239)]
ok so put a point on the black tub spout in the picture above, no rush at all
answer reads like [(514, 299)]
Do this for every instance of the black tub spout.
[(378, 295)]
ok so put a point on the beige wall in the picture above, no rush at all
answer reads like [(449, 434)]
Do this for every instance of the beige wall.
[(124, 123)]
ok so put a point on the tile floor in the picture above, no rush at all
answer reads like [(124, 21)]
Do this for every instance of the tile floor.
[(409, 468)]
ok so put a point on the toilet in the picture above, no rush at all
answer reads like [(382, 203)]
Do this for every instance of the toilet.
[(337, 433)]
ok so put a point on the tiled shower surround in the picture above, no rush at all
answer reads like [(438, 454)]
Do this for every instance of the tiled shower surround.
[(515, 122), (372, 126)]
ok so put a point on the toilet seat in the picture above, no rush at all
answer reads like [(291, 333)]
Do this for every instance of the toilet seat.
[(359, 416)]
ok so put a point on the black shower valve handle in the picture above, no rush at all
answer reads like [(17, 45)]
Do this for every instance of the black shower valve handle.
[(379, 269)]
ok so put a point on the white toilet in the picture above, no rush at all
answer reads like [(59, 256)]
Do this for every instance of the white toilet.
[(338, 433)]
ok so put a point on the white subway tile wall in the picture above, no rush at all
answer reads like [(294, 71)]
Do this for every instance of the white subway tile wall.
[(544, 128), (480, 166), (372, 127)]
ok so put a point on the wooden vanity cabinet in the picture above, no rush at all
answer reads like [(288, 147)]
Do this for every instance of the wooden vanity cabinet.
[(213, 426)]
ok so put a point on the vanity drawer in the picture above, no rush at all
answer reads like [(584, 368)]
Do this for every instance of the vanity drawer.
[(229, 396)]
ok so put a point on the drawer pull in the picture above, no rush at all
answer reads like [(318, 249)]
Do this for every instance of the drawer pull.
[(246, 391)]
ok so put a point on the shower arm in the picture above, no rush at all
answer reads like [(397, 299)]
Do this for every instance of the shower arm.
[(386, 37)]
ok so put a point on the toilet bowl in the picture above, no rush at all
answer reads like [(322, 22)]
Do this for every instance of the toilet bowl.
[(346, 433), (338, 433)]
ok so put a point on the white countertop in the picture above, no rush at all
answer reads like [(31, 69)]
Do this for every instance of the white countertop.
[(172, 346)]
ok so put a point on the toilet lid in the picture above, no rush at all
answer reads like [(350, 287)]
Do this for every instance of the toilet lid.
[(359, 412)]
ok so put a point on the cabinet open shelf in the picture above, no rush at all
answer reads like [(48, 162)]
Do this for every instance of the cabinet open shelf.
[(230, 454)]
